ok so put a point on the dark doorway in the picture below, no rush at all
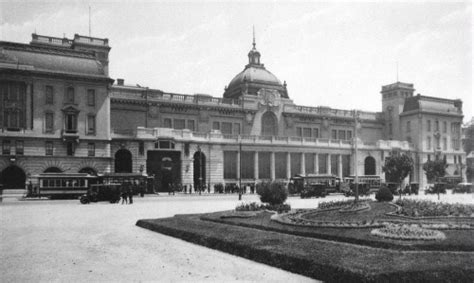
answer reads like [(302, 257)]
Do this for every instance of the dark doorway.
[(123, 161), (53, 170), (369, 166), (165, 166), (13, 177), (199, 170)]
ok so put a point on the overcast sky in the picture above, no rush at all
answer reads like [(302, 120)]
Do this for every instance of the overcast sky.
[(330, 54)]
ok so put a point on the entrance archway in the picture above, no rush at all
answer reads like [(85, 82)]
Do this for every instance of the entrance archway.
[(199, 170), (123, 161), (369, 166), (53, 170), (269, 124), (13, 177)]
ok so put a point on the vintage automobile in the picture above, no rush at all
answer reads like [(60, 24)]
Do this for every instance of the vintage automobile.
[(463, 188), (101, 192), (436, 188)]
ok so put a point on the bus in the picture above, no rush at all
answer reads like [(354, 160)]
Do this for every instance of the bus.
[(327, 182), (63, 185), (367, 183)]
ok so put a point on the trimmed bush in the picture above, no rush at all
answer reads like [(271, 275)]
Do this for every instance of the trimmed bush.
[(253, 206), (384, 194), (272, 192)]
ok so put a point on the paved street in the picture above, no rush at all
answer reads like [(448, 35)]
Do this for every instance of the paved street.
[(62, 240)]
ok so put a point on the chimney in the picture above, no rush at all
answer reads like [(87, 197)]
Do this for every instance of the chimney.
[(120, 81)]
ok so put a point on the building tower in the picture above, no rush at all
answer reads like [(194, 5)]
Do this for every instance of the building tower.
[(393, 100)]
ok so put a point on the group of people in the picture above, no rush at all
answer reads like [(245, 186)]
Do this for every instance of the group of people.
[(126, 193)]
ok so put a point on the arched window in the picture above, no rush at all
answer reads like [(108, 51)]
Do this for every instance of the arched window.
[(70, 95), (369, 166), (53, 170), (269, 124)]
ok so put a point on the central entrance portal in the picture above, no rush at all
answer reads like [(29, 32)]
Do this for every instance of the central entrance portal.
[(165, 165)]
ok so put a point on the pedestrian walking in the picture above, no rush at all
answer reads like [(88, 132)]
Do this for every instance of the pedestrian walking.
[(130, 194), (124, 194)]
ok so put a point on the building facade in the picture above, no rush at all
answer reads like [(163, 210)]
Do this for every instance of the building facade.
[(254, 132)]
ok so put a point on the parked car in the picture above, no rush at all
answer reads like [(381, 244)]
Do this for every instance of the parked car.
[(436, 188), (317, 190), (462, 188), (101, 192), (364, 189)]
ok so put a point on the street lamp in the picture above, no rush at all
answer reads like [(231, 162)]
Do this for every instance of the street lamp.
[(240, 169), (200, 169)]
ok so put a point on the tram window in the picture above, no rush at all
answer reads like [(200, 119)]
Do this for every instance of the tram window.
[(63, 183), (58, 183), (82, 183)]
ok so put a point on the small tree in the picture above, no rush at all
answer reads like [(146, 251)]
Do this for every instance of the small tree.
[(434, 170), (397, 168)]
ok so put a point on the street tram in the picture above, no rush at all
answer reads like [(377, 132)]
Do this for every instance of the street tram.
[(63, 185), (367, 184), (137, 181), (309, 182)]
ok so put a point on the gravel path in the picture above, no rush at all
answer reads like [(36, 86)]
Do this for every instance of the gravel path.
[(65, 241)]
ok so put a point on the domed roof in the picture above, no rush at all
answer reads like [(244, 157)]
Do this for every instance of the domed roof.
[(254, 74), (253, 78)]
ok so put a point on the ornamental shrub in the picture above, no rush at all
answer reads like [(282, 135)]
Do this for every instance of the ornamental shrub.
[(384, 194), (272, 192)]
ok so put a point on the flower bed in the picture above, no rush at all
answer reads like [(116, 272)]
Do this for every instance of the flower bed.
[(339, 203), (407, 232), (253, 206), (355, 207), (419, 208)]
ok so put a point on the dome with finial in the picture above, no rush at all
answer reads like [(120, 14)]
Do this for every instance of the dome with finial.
[(253, 78)]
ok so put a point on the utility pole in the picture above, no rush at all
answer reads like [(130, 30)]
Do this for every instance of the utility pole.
[(240, 168), (356, 179)]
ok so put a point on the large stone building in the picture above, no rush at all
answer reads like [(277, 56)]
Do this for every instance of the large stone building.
[(60, 112)]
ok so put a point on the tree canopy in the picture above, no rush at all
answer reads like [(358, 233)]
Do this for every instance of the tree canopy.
[(397, 168), (435, 169)]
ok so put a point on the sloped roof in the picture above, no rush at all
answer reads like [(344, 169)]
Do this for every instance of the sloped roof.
[(49, 60), (432, 104)]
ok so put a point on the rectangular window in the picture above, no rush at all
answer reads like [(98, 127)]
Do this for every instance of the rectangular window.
[(316, 132), (445, 143), (428, 143), (19, 148), (334, 134), (48, 148), (408, 126), (90, 124), (428, 126), (342, 134), (70, 148), (437, 141), (236, 129), (429, 157), (191, 126), (167, 123), (141, 148), (445, 127), (91, 149), (299, 131), (49, 95), (91, 97), (307, 132), (216, 125), (6, 147), (390, 129), (179, 124), (349, 135), (70, 95), (71, 123), (49, 122), (436, 126), (226, 128)]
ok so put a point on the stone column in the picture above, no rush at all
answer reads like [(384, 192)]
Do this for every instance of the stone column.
[(255, 165), (272, 166), (316, 163), (303, 164), (339, 166), (328, 164), (288, 165)]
